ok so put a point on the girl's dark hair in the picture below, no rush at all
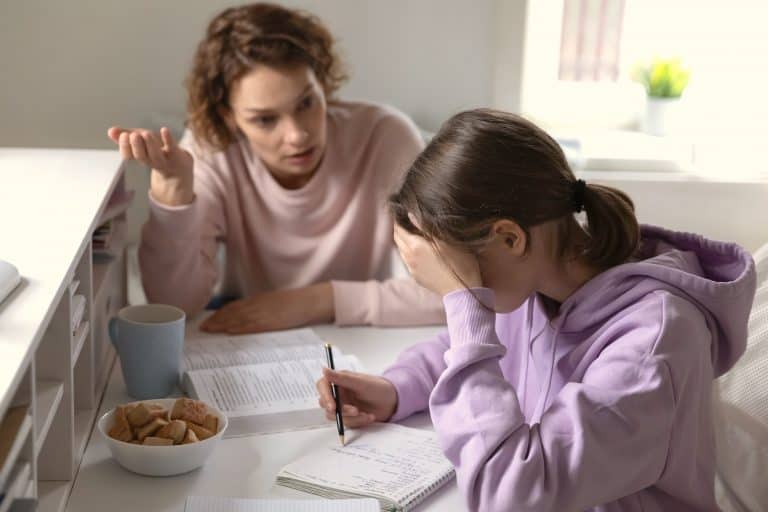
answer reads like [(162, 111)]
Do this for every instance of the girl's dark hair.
[(485, 165), (238, 39)]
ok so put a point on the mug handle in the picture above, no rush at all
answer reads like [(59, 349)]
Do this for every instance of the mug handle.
[(113, 331)]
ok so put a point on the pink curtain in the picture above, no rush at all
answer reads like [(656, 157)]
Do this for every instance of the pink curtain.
[(591, 36)]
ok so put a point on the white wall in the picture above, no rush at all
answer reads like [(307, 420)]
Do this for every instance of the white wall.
[(70, 69), (734, 210)]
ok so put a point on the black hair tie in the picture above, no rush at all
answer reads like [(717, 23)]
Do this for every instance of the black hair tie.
[(579, 188)]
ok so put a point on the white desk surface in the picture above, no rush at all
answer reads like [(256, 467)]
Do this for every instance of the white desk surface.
[(50, 200), (243, 467)]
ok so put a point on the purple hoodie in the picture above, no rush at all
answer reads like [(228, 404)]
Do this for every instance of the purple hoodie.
[(605, 406)]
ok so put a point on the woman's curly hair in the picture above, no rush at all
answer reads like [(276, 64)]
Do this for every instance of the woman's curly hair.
[(240, 38)]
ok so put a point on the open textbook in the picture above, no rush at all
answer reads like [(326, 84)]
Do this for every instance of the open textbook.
[(262, 382), (397, 465)]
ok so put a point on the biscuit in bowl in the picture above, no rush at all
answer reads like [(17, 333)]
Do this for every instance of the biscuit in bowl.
[(146, 438)]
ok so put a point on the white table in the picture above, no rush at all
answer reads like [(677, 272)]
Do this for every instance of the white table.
[(239, 467)]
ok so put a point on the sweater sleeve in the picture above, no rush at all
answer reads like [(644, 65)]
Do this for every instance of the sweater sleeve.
[(177, 254), (600, 439), (393, 302)]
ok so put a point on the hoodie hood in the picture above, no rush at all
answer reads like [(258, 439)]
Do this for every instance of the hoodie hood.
[(718, 277)]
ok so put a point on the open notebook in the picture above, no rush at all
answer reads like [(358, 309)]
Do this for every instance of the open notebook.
[(262, 382), (218, 504), (399, 466)]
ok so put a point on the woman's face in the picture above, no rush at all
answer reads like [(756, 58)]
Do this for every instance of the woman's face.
[(281, 111)]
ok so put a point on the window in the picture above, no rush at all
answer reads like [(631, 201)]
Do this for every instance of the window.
[(578, 54), (590, 40)]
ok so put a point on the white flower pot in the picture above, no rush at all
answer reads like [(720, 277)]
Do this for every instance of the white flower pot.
[(661, 115)]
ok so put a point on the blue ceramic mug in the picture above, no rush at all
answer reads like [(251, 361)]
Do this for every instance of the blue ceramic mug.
[(149, 340)]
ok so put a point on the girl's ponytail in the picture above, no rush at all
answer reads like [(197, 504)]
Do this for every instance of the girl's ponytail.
[(614, 233)]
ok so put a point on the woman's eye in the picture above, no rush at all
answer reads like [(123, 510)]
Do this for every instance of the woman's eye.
[(305, 103), (264, 121)]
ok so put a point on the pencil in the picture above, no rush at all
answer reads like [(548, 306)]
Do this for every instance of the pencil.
[(336, 394)]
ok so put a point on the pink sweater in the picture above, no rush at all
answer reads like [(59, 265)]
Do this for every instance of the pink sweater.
[(335, 228)]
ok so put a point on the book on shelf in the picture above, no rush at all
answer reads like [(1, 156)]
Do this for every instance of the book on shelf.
[(118, 203), (222, 504), (78, 311), (102, 238), (11, 435), (397, 465), (9, 279), (263, 382)]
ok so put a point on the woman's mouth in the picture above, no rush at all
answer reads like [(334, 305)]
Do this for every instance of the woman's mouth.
[(302, 157)]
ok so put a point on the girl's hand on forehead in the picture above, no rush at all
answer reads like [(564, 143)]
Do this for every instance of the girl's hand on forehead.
[(439, 267)]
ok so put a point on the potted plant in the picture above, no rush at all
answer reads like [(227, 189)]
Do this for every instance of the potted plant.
[(664, 81)]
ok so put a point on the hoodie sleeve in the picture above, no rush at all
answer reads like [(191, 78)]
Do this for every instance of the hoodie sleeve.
[(599, 440), (415, 373), (177, 254)]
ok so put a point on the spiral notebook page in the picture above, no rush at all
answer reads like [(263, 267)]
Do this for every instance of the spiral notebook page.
[(218, 504), (398, 465)]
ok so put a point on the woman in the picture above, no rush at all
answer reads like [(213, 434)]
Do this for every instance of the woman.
[(292, 182), (577, 366)]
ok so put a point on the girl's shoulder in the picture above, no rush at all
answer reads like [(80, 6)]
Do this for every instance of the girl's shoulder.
[(664, 326)]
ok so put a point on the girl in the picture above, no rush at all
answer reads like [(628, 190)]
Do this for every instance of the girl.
[(293, 183), (576, 369)]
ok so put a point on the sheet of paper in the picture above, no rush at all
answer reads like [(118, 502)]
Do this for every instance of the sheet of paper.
[(218, 504), (217, 351), (268, 388), (384, 459)]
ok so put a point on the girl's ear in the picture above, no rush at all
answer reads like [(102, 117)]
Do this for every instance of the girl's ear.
[(512, 236)]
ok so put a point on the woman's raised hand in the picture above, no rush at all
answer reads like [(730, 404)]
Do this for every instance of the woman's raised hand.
[(172, 166), (364, 398)]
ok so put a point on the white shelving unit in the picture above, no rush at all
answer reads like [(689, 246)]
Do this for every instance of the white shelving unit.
[(54, 363)]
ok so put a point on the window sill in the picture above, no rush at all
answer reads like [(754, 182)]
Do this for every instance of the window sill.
[(626, 151)]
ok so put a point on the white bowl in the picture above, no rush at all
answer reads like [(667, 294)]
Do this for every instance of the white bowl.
[(161, 460)]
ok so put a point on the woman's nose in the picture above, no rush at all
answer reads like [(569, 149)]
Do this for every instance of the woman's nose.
[(296, 134)]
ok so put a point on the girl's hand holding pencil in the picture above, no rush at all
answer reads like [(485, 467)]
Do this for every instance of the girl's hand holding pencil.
[(364, 398)]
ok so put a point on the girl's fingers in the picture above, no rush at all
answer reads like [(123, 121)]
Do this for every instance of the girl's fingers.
[(349, 410), (326, 398), (413, 220), (358, 421), (352, 420), (351, 380)]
